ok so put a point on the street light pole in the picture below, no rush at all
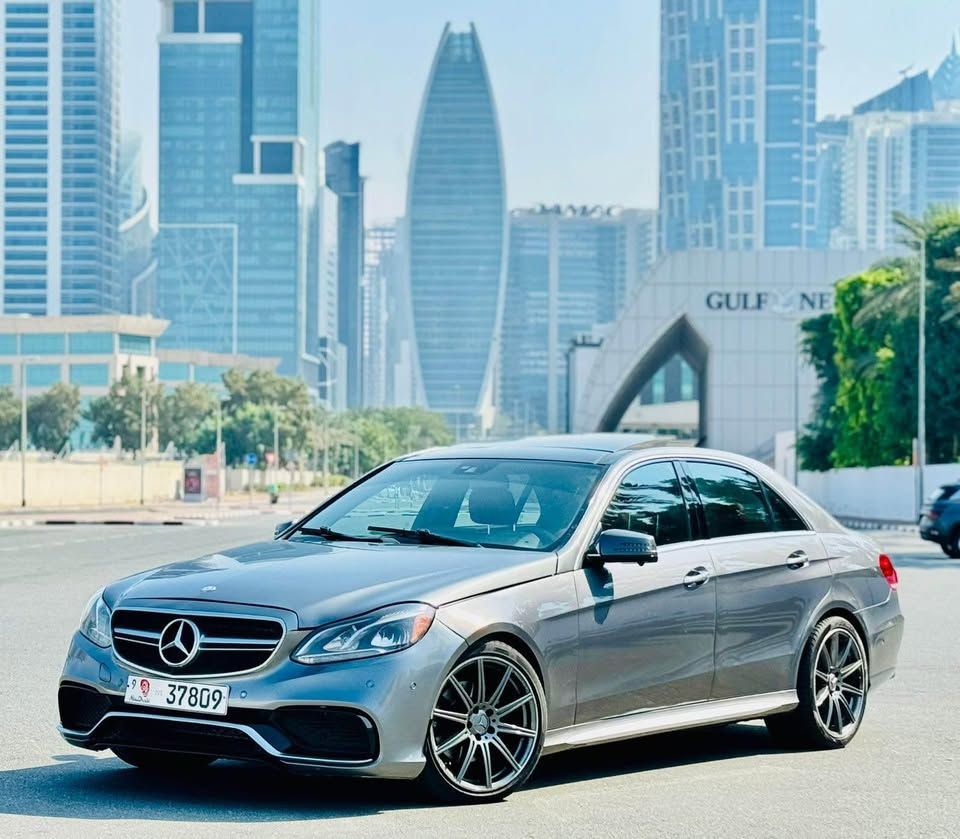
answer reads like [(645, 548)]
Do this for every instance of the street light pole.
[(143, 438), (922, 375), (220, 477), (23, 434)]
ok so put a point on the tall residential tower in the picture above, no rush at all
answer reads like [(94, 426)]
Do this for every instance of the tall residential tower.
[(738, 86), (239, 179), (59, 141), (456, 227)]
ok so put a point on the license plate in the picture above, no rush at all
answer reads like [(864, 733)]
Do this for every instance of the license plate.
[(177, 696)]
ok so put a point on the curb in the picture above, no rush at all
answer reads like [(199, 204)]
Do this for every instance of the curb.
[(119, 522), (873, 524)]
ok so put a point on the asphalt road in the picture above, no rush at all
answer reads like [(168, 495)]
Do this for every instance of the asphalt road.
[(899, 778)]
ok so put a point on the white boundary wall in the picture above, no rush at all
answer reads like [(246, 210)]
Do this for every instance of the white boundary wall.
[(881, 493)]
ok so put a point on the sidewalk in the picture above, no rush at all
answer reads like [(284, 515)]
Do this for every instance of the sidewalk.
[(234, 506)]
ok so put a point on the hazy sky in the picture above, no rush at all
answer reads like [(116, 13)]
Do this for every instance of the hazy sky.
[(575, 83)]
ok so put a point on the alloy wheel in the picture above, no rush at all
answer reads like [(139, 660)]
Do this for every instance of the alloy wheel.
[(839, 682), (485, 725)]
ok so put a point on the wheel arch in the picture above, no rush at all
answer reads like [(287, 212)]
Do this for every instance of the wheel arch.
[(523, 644), (840, 610)]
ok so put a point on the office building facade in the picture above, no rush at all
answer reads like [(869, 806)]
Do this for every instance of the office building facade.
[(58, 156), (342, 178), (737, 124), (239, 161), (570, 268), (457, 235), (138, 261), (900, 154), (381, 274)]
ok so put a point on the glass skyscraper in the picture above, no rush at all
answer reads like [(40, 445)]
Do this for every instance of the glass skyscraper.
[(737, 124), (570, 269), (58, 158), (138, 262), (342, 178), (239, 179), (456, 223)]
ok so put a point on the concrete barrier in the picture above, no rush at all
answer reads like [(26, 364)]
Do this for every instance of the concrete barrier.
[(879, 494), (60, 483)]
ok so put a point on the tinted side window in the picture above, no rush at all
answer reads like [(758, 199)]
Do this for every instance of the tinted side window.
[(784, 516), (733, 501), (648, 501)]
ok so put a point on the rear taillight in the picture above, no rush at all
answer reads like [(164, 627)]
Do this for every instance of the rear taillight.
[(933, 515), (888, 571)]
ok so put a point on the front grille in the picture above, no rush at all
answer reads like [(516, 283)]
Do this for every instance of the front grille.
[(81, 708), (327, 732), (228, 644)]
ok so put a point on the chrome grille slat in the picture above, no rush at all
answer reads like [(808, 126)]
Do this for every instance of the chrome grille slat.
[(228, 644)]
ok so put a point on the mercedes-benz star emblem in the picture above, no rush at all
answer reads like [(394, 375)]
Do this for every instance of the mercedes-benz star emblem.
[(179, 642)]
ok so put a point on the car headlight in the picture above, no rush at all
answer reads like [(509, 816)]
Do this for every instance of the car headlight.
[(95, 622), (375, 633)]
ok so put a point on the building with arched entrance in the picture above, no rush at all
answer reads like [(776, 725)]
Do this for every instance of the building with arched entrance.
[(733, 318)]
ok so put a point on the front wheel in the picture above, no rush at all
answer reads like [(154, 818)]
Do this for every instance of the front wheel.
[(486, 728), (161, 762), (832, 689)]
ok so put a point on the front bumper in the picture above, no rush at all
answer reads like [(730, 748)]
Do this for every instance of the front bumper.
[(366, 717)]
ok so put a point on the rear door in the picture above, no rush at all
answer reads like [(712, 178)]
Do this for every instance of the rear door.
[(647, 632), (772, 572)]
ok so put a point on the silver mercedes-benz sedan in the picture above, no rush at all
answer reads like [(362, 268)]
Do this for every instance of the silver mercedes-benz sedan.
[(459, 612)]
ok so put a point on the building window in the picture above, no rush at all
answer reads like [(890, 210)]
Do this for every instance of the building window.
[(90, 375), (6, 375), (209, 375), (276, 158), (8, 344), (42, 375), (42, 343), (186, 16), (89, 343), (139, 344), (174, 371)]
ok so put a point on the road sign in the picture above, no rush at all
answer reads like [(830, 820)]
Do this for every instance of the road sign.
[(250, 459)]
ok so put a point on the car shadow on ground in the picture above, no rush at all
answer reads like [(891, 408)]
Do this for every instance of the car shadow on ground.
[(80, 786)]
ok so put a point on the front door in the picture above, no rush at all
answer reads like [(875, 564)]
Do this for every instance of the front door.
[(647, 632)]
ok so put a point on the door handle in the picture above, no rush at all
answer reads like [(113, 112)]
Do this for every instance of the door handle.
[(696, 577), (798, 559)]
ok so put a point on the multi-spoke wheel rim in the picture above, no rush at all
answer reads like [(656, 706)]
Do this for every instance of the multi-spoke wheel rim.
[(485, 724), (840, 682)]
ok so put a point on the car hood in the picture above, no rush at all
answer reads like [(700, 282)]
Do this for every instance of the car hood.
[(325, 582)]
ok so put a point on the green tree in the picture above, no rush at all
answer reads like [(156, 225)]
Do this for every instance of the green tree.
[(118, 413), (52, 416), (867, 411), (188, 417), (9, 418), (286, 398), (818, 440)]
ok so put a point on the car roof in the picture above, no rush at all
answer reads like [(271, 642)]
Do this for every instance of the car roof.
[(601, 447)]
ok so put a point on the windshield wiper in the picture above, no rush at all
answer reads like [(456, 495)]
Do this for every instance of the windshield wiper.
[(333, 535), (424, 537)]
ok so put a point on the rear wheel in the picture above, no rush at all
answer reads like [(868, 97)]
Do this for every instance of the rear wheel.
[(487, 726), (166, 762), (952, 546), (832, 688)]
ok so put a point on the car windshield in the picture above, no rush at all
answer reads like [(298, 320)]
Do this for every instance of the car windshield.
[(520, 504)]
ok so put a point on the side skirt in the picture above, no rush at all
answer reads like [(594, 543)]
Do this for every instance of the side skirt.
[(657, 721)]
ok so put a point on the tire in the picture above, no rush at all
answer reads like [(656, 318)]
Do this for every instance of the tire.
[(170, 763), (952, 546), (833, 669), (490, 705)]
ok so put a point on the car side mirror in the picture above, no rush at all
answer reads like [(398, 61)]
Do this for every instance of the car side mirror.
[(625, 546), (280, 528)]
